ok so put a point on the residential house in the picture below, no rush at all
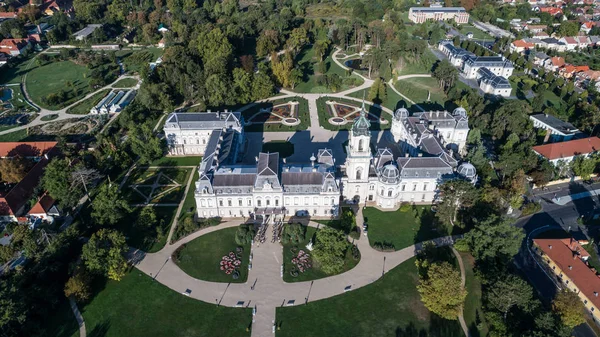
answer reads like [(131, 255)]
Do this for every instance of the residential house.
[(554, 11), (556, 130), (570, 70), (568, 261), (14, 47), (570, 42), (7, 16), (554, 63), (536, 28), (567, 151), (539, 58), (541, 35), (586, 27), (44, 209), (521, 46), (14, 199)]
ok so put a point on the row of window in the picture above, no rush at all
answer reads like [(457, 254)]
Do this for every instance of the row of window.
[(297, 201), (390, 191), (230, 213)]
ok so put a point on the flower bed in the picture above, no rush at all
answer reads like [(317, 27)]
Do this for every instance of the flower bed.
[(302, 262), (231, 262)]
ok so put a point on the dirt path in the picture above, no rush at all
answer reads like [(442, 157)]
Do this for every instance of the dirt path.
[(463, 280)]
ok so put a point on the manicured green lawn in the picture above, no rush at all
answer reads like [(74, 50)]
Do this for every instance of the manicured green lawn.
[(417, 89), (303, 115), (54, 77), (22, 136), (125, 83), (177, 161), (200, 258), (14, 74), (83, 108), (391, 306), (308, 62), (147, 238), (402, 229), (290, 251), (392, 100), (167, 177), (284, 148), (472, 310), (137, 306), (478, 34)]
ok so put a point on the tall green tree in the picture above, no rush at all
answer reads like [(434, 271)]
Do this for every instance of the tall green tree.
[(442, 291), (108, 206), (495, 240), (570, 308), (216, 51), (57, 180), (105, 252), (446, 74), (507, 293), (144, 143), (456, 196), (329, 250)]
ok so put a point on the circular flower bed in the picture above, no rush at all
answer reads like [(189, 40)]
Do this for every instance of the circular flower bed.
[(337, 121), (229, 263)]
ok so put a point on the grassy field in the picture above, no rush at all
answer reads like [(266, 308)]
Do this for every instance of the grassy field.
[(472, 310), (137, 306), (392, 100), (125, 83), (53, 77), (14, 74), (308, 62), (200, 258), (168, 176), (284, 148), (23, 136), (402, 229), (391, 306), (478, 34), (315, 272), (417, 90), (83, 108), (177, 161)]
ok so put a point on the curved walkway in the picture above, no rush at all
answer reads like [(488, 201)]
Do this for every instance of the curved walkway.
[(78, 317), (463, 281), (404, 77), (269, 290)]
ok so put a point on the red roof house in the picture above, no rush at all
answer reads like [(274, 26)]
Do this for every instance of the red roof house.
[(13, 47), (566, 151)]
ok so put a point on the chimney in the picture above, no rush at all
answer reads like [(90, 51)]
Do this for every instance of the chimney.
[(596, 293), (286, 169), (284, 160), (314, 169), (570, 267), (406, 155), (550, 246), (256, 158)]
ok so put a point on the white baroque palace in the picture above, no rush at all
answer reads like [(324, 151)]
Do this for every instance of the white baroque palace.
[(425, 153), (427, 142)]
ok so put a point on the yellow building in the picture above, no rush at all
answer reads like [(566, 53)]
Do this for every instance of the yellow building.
[(568, 261)]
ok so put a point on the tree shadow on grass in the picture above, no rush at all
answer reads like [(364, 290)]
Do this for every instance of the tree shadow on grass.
[(100, 330), (438, 327)]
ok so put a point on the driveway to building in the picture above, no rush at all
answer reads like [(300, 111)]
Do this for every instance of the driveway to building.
[(265, 290)]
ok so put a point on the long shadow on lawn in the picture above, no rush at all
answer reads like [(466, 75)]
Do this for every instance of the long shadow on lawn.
[(100, 330), (438, 327)]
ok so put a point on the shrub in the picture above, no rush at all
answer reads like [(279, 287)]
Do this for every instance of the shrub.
[(462, 245), (384, 246), (355, 253), (404, 207), (355, 233), (244, 234), (190, 225), (293, 233)]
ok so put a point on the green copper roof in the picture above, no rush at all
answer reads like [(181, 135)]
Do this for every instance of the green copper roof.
[(361, 124)]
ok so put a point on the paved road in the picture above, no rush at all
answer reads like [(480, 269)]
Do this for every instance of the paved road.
[(554, 216), (265, 289)]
